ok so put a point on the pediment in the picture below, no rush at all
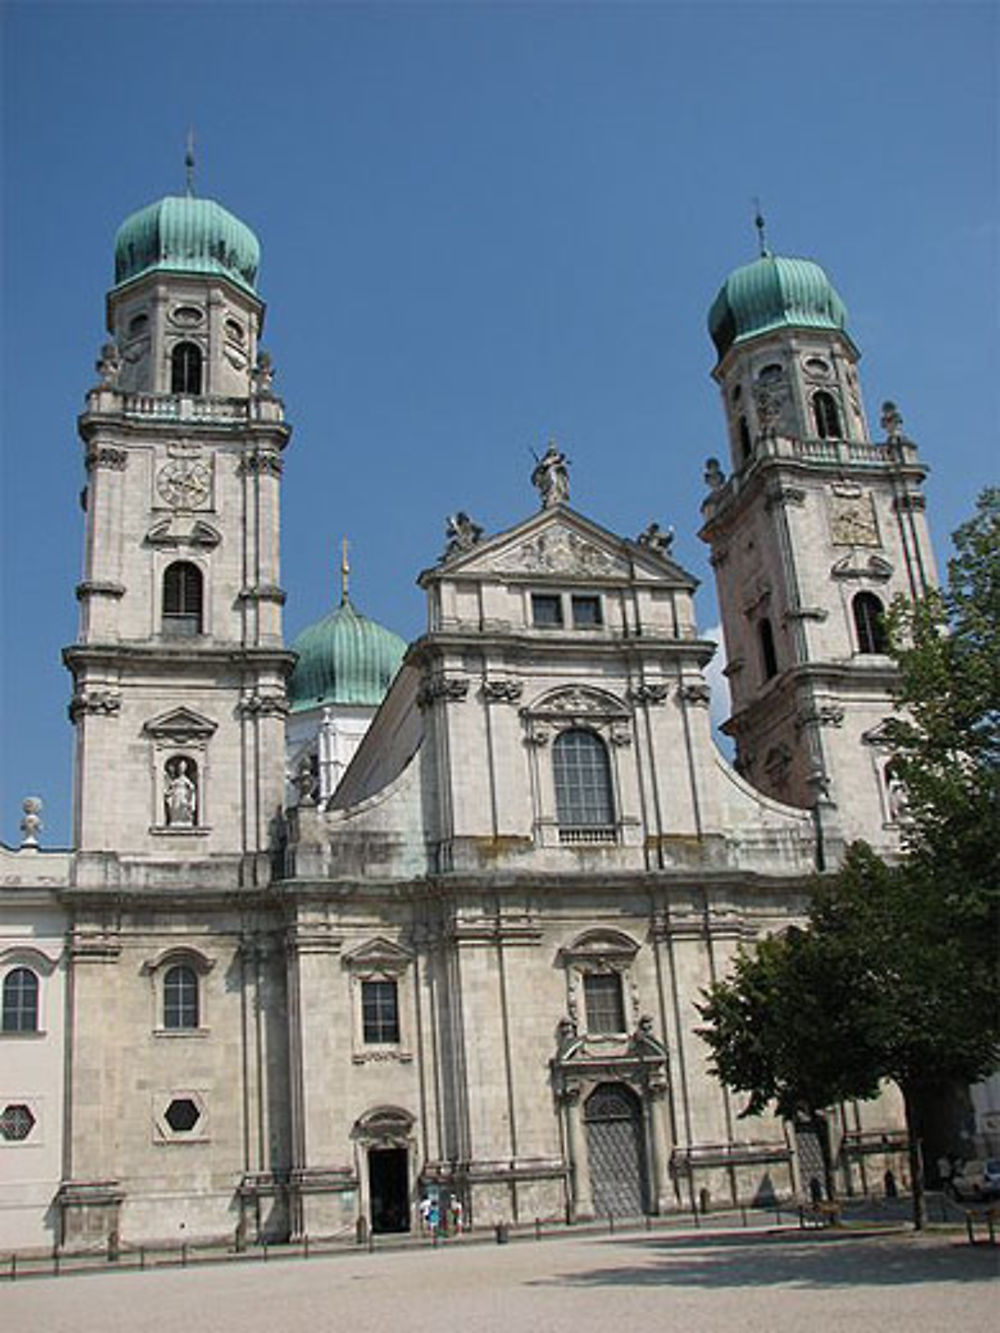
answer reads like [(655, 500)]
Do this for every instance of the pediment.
[(177, 531), (180, 725), (878, 736), (850, 567), (378, 955), (578, 701), (600, 946), (562, 544)]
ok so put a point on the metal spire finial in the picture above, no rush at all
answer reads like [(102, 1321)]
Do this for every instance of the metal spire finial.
[(345, 572), (189, 164), (758, 222)]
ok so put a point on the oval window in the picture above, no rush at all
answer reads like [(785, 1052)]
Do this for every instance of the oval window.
[(187, 315)]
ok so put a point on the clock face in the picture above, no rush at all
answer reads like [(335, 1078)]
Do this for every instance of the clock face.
[(183, 485)]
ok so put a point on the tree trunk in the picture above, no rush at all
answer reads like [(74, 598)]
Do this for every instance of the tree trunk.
[(916, 1155), (821, 1129)]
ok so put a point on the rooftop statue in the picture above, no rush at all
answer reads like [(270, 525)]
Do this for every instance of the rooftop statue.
[(551, 477)]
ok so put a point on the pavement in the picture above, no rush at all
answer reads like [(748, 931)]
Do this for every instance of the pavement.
[(781, 1281)]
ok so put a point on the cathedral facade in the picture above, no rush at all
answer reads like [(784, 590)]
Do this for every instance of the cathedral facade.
[(367, 923)]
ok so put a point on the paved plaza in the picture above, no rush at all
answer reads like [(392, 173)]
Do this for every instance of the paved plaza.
[(742, 1280)]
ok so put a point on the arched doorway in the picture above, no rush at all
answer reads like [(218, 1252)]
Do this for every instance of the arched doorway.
[(619, 1180), (384, 1135)]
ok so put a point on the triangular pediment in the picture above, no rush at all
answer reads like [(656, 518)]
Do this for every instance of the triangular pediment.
[(378, 955), (878, 736), (180, 725), (560, 543)]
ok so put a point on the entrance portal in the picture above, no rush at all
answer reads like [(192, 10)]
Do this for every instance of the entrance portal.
[(389, 1189), (618, 1181)]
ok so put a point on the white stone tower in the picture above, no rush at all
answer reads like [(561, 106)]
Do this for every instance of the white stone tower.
[(813, 533), (179, 670)]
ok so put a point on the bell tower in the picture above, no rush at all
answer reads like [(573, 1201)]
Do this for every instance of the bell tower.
[(179, 669), (814, 528)]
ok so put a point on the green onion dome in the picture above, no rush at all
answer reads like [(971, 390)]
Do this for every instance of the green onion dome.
[(772, 293), (183, 234), (345, 658)]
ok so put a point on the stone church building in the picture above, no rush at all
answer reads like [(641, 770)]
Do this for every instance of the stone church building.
[(368, 922)]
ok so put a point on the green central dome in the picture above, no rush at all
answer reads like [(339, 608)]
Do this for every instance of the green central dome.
[(345, 658), (771, 293), (186, 235)]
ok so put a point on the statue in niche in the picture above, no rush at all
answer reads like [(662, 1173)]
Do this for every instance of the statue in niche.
[(461, 533), (551, 477), (180, 795), (899, 797)]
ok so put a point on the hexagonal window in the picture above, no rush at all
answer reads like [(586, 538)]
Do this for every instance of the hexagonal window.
[(182, 1115), (16, 1122)]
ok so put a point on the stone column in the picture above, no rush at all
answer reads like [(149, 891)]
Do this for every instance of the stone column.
[(579, 1160)]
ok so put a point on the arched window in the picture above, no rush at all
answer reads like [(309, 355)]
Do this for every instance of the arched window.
[(869, 623), (20, 1000), (185, 369), (768, 656), (584, 803), (746, 444), (180, 997), (182, 599), (826, 416)]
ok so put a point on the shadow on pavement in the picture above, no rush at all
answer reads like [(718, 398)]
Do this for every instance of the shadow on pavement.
[(804, 1261)]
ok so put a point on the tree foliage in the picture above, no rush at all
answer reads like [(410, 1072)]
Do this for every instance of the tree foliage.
[(946, 735)]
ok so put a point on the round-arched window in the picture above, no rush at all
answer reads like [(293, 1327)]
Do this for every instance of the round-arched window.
[(180, 997), (826, 416), (869, 623), (582, 774), (185, 368)]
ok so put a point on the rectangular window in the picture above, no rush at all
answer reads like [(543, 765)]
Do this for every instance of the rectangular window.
[(586, 611), (603, 995), (546, 610), (380, 1012)]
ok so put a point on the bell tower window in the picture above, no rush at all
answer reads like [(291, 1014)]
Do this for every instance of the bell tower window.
[(746, 444), (183, 599), (185, 369), (826, 416), (768, 655), (869, 623)]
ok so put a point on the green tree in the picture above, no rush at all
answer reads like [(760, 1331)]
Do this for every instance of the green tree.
[(782, 1029), (920, 991), (946, 737)]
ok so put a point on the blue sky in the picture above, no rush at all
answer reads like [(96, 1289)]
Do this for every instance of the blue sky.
[(484, 225)]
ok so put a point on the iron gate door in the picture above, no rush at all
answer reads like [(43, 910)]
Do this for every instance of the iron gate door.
[(613, 1118)]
